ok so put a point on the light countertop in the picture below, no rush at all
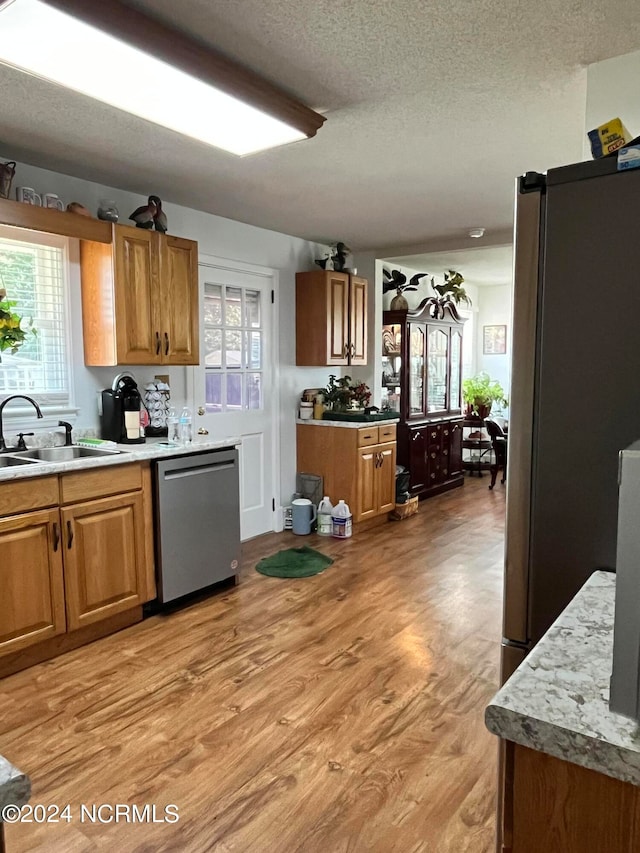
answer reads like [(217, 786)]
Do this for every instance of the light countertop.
[(348, 424), (15, 787), (557, 701), (151, 449)]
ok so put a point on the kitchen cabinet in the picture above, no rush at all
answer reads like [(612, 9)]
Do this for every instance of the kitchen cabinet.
[(422, 380), (32, 600), (140, 299), (104, 558), (357, 465), (331, 319), (77, 559)]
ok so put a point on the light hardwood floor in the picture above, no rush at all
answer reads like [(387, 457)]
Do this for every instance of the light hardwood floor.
[(342, 712)]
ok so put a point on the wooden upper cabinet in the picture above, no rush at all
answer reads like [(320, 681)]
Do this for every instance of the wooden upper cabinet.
[(136, 285), (331, 319), (32, 600), (179, 289), (140, 299)]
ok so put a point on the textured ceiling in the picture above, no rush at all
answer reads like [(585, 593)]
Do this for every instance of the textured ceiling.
[(432, 110), (484, 266)]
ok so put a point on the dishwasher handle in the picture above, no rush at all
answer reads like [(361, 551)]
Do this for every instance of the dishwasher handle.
[(179, 473)]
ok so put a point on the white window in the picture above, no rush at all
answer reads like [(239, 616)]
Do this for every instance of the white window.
[(33, 271), (233, 341)]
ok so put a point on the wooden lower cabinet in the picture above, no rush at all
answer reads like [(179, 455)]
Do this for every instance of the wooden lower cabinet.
[(66, 568), (357, 465), (104, 558), (376, 479), (31, 583), (559, 806)]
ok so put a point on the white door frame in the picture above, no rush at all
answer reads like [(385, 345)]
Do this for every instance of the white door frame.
[(223, 264)]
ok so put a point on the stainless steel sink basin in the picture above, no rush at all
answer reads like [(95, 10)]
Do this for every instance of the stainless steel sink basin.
[(63, 454), (7, 461)]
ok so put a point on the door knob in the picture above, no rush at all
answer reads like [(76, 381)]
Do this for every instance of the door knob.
[(201, 410)]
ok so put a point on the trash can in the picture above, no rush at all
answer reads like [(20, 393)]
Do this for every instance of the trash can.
[(402, 484)]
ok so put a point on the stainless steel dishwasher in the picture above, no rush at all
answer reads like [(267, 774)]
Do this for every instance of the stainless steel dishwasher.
[(197, 521)]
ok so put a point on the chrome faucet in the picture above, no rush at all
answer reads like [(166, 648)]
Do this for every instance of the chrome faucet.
[(3, 446)]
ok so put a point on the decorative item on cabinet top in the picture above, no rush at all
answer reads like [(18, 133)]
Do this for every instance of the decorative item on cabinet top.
[(7, 172), (397, 280), (150, 214), (336, 259)]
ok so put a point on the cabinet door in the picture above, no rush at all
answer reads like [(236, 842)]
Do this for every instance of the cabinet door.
[(455, 450), (32, 598), (367, 503), (358, 321), (337, 318), (437, 375), (417, 348), (104, 558), (418, 459), (386, 477), (179, 300), (137, 302)]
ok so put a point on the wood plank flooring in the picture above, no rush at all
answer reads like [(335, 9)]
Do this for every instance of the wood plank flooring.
[(337, 713)]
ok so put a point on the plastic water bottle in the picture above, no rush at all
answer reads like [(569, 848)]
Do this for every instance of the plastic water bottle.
[(173, 429), (186, 436), (341, 521), (325, 524)]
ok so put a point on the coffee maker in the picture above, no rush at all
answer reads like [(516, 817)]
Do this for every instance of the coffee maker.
[(120, 410)]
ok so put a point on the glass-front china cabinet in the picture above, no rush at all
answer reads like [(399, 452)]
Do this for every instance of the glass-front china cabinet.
[(422, 380)]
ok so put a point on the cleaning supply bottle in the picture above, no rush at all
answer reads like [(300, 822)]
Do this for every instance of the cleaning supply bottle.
[(341, 521), (325, 524)]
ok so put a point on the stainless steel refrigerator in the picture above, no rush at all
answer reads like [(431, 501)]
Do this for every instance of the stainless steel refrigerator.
[(574, 400), (575, 388)]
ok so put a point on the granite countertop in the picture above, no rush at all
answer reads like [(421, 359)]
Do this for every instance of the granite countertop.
[(557, 701), (152, 449), (15, 786), (348, 424)]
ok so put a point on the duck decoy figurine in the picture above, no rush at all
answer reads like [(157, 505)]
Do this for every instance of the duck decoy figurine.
[(150, 214), (143, 215), (159, 217)]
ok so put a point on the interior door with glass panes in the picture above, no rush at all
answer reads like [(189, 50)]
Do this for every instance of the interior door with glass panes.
[(234, 382)]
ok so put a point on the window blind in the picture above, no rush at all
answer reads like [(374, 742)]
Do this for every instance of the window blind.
[(33, 275)]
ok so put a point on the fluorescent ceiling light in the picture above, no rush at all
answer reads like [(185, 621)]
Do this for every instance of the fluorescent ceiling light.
[(59, 47)]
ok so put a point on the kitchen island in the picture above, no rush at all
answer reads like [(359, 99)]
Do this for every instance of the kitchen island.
[(573, 766), (15, 790)]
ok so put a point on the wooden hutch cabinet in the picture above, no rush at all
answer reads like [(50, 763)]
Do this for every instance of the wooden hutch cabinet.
[(422, 379)]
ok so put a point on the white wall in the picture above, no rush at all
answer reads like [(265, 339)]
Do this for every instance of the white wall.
[(612, 92), (216, 236), (494, 308)]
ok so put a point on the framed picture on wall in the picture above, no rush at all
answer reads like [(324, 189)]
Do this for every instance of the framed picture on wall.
[(494, 340)]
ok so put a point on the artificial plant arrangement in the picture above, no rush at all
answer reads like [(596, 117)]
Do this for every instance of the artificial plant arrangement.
[(451, 289), (397, 280), (480, 392), (12, 335), (341, 393)]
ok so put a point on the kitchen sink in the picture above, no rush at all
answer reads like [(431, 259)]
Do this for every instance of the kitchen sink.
[(62, 454), (7, 461)]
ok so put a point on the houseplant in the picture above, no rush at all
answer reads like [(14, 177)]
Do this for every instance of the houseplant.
[(479, 392), (451, 289), (340, 394), (397, 280), (12, 335)]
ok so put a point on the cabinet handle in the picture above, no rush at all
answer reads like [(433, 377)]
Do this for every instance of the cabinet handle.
[(352, 350), (158, 343), (56, 536), (445, 452), (415, 435), (434, 434), (166, 344), (69, 534), (433, 455)]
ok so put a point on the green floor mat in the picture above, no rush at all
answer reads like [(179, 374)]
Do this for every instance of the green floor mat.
[(294, 563)]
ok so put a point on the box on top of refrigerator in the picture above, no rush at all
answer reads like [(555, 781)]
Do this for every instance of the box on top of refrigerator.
[(608, 138)]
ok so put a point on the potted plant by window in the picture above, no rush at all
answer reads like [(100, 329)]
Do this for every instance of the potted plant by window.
[(12, 335), (480, 392)]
